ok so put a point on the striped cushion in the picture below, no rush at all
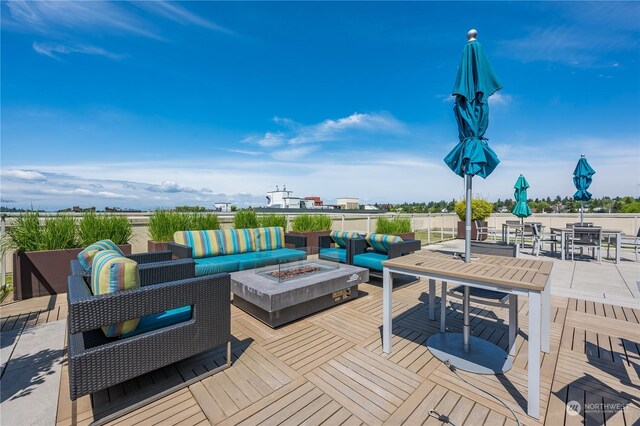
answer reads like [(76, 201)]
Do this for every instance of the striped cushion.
[(270, 238), (111, 273), (341, 237), (85, 257), (380, 242), (202, 243), (236, 241)]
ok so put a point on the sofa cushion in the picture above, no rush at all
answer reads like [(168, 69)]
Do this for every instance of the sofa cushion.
[(214, 265), (85, 257), (336, 254), (161, 320), (112, 272), (270, 238), (341, 237), (380, 242), (202, 243), (371, 260), (236, 241)]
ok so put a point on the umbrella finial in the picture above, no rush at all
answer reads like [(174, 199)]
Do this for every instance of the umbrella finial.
[(472, 34), (520, 174), (582, 155)]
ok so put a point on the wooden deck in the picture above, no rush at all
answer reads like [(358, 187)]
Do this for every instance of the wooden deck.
[(329, 369)]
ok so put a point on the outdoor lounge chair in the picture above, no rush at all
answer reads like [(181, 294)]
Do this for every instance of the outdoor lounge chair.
[(140, 258), (335, 246), (371, 251), (178, 319)]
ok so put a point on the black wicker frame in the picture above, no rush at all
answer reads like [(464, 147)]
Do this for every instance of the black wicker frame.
[(325, 241), (140, 258), (360, 246), (97, 362)]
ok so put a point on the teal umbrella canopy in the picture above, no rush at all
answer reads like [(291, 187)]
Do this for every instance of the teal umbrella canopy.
[(521, 208), (582, 177), (475, 82)]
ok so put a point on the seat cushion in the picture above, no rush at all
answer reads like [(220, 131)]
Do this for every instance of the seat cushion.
[(112, 272), (289, 255), (237, 241), (371, 260), (335, 254), (160, 320), (215, 265), (85, 257), (270, 238), (341, 237), (256, 259), (202, 243), (380, 242)]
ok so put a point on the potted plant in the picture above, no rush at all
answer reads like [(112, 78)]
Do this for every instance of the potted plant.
[(311, 226), (480, 210), (273, 219), (43, 248), (395, 226), (245, 219), (163, 224)]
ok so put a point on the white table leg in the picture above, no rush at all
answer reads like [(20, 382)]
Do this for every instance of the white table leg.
[(533, 376), (618, 247), (387, 287), (513, 323), (507, 234), (546, 318), (562, 249), (432, 299), (443, 307)]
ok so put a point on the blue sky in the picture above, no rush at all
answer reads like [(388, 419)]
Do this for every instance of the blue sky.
[(157, 104)]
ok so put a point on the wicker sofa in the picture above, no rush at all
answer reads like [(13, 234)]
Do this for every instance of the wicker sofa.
[(230, 250), (180, 316)]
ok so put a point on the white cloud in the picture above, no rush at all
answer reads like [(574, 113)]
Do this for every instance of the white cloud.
[(500, 99), (28, 175), (176, 13), (50, 49), (293, 153), (169, 186)]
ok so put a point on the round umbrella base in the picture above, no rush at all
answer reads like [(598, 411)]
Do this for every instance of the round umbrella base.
[(483, 357)]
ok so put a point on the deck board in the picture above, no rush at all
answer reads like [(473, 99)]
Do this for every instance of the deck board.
[(329, 368)]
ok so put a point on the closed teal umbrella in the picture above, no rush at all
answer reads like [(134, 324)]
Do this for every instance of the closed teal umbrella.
[(582, 180), (475, 82), (521, 208)]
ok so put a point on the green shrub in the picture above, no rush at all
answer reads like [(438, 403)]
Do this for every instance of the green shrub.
[(480, 209), (28, 234), (95, 227), (245, 218), (311, 223), (163, 224), (396, 225), (204, 221), (273, 220)]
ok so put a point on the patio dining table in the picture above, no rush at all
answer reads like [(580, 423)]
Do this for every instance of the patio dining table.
[(608, 233), (515, 276)]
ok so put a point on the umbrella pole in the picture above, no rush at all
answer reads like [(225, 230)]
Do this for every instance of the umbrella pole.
[(581, 212), (466, 328)]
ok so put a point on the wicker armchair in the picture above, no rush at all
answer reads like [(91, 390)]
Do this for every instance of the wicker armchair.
[(97, 362)]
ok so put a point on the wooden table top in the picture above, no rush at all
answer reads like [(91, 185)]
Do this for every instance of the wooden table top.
[(604, 231), (511, 272)]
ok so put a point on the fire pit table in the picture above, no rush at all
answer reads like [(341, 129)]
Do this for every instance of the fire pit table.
[(283, 293)]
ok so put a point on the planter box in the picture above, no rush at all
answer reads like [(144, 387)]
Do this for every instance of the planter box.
[(153, 246), (474, 231), (42, 273), (312, 239), (406, 236)]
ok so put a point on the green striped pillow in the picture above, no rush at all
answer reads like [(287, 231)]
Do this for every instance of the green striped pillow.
[(271, 238), (380, 242), (111, 273), (236, 241), (85, 257), (202, 243), (341, 237)]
